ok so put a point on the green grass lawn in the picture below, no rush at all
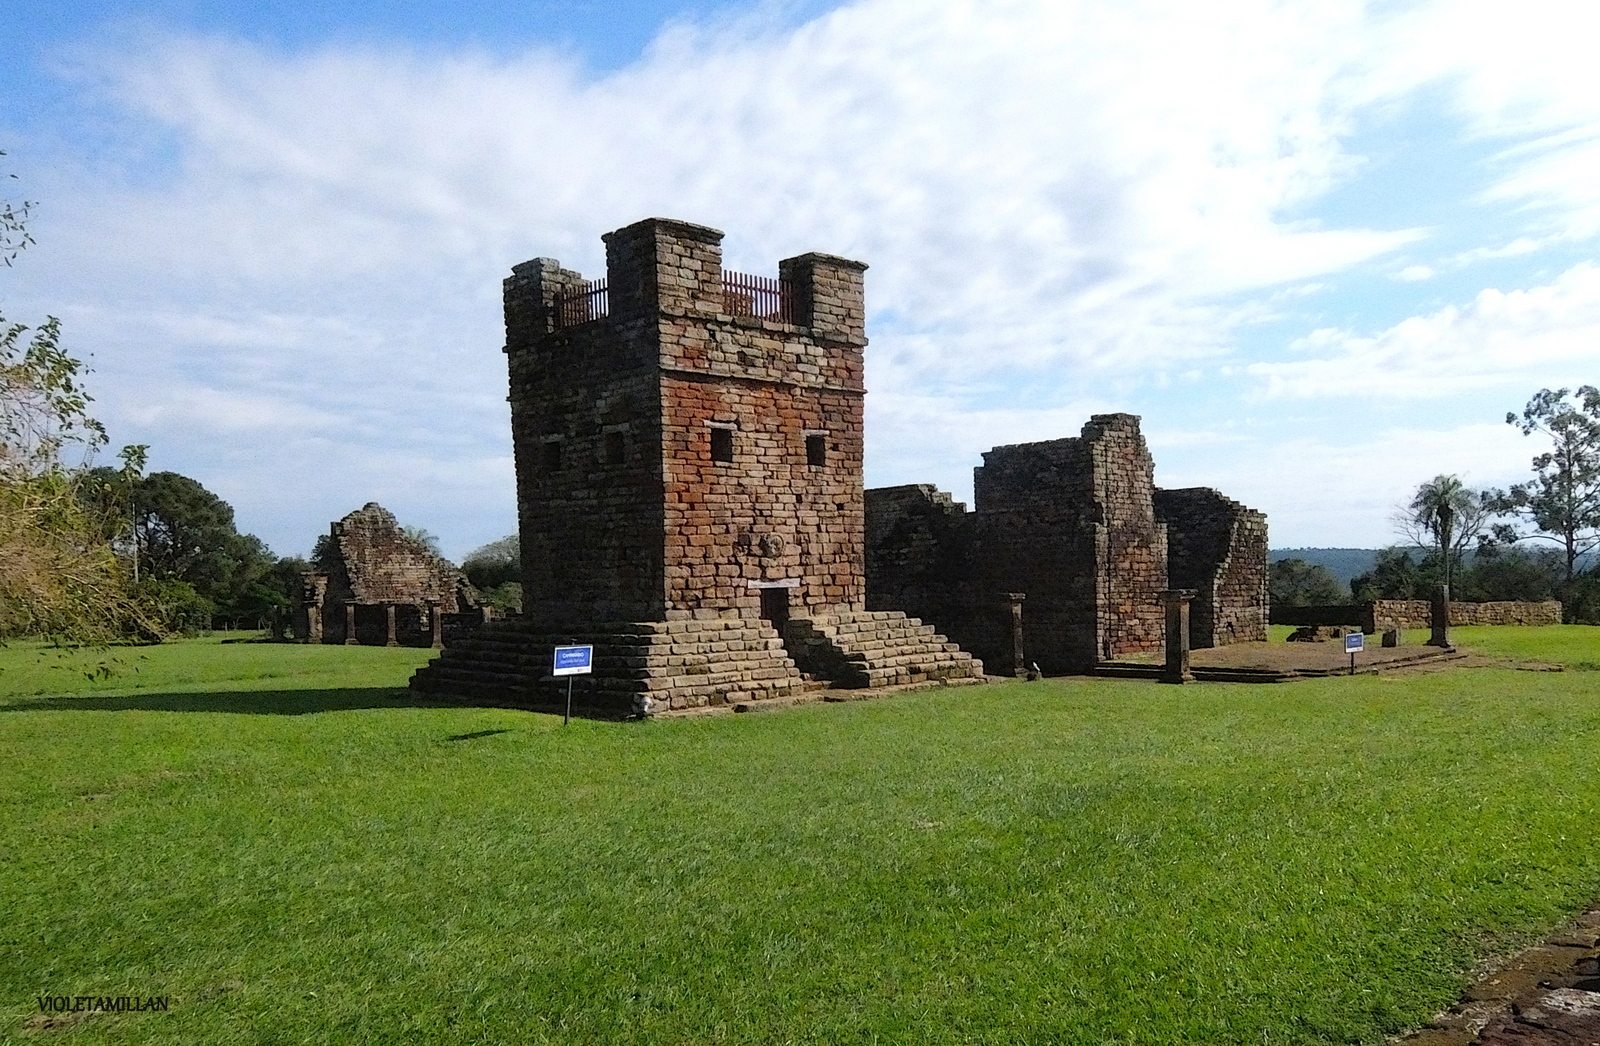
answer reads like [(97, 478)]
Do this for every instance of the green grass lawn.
[(1576, 646), (1071, 861)]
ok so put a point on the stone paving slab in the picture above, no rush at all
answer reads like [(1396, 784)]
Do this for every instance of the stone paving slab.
[(1546, 995)]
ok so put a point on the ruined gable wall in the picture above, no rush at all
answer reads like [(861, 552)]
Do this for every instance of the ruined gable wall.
[(1217, 547), (379, 565)]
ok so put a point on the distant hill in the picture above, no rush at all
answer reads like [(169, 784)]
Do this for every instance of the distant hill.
[(1343, 563)]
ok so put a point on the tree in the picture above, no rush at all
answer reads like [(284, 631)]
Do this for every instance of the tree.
[(58, 575), (494, 564), (1448, 517), (1562, 501), (1497, 572), (1395, 575), (183, 532), (13, 227), (424, 537), (1297, 583)]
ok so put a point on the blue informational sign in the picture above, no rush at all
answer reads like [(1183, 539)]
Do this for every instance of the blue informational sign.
[(573, 661), (1354, 641)]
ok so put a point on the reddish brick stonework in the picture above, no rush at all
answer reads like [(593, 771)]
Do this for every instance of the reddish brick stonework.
[(369, 566), (689, 491), (1077, 528)]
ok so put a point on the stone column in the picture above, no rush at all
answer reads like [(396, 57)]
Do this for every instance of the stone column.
[(350, 623), (1013, 601), (437, 614), (313, 623), (388, 620), (1441, 617), (1177, 603)]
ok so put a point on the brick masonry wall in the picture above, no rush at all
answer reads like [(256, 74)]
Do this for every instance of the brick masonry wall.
[(1417, 613), (920, 560), (1217, 547), (374, 565), (1072, 524), (590, 526), (1133, 569)]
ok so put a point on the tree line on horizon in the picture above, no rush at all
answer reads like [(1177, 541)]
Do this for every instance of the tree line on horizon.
[(1535, 541)]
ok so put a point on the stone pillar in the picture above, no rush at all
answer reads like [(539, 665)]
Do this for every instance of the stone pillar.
[(388, 620), (1441, 617), (313, 623), (1177, 604), (350, 623), (1013, 601), (663, 265), (437, 614), (829, 296)]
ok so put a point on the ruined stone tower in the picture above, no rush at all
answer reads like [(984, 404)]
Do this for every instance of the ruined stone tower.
[(688, 448)]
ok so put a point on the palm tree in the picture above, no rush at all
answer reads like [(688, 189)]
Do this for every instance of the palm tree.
[(1449, 514)]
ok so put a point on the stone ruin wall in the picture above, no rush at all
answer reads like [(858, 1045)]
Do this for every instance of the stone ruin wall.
[(1078, 527), (589, 524), (1381, 614), (1133, 566), (1038, 529), (373, 565), (1218, 548), (1418, 613), (919, 555)]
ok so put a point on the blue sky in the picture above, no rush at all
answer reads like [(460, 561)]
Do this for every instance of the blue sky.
[(1322, 248)]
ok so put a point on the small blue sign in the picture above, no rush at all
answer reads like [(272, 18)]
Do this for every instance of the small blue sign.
[(573, 661), (1354, 641)]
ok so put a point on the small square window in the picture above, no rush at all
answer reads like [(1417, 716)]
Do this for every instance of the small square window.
[(816, 450), (552, 455), (616, 448), (722, 445)]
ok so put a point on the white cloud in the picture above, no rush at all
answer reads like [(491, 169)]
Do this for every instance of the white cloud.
[(1413, 273), (1068, 196), (1543, 334), (1345, 490), (1516, 248), (1527, 75)]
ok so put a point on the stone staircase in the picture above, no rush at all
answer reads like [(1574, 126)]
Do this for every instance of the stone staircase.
[(680, 664), (875, 648)]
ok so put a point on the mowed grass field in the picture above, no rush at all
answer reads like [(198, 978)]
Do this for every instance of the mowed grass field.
[(296, 851)]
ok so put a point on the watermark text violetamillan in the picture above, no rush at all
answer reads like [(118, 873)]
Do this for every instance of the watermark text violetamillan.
[(104, 1003)]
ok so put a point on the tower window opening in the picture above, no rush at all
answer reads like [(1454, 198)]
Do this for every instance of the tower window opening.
[(552, 455), (816, 450), (616, 448), (722, 444)]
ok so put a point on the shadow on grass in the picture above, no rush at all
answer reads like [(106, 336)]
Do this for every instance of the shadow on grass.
[(258, 702)]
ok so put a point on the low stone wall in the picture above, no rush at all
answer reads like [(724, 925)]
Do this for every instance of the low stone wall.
[(1415, 613)]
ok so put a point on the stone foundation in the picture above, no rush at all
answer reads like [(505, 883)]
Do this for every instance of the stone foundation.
[(704, 660)]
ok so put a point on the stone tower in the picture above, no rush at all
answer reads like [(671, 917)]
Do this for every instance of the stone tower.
[(688, 448)]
